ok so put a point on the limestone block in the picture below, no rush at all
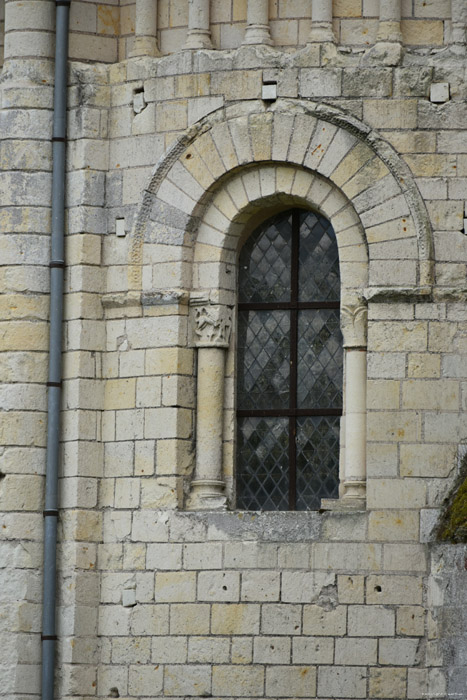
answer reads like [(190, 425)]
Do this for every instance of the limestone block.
[(149, 620), (432, 165), (189, 618), (235, 619), (316, 82), (294, 556), (134, 556), (432, 460), (350, 589), (164, 556), (391, 114), (85, 47), (383, 394), (319, 621), (378, 619), (260, 586), (278, 619), (337, 556), (212, 650), (271, 650), (340, 682), (145, 680), (305, 587), (248, 555), (394, 525), (364, 653), (410, 621), (219, 586), (242, 681), (113, 620), (394, 590), (169, 650), (202, 556), (404, 557), (241, 650), (398, 652), (118, 458), (110, 556), (167, 423), (144, 457), (131, 650), (388, 682), (112, 676), (149, 526), (127, 493), (175, 586), (401, 493), (424, 365), (367, 82), (308, 650), (297, 680)]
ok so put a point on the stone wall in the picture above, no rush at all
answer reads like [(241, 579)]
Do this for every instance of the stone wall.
[(171, 161)]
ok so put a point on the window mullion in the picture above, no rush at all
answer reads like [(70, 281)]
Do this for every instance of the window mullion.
[(293, 361)]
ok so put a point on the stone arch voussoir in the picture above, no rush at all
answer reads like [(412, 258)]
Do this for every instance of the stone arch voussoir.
[(311, 143)]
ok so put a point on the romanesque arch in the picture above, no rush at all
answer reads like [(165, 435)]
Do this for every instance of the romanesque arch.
[(216, 183)]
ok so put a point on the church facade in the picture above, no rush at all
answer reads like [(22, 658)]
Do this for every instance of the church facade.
[(262, 434)]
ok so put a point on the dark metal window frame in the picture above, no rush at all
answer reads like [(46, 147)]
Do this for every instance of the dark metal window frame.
[(293, 306)]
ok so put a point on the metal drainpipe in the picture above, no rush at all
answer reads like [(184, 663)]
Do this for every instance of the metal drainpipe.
[(54, 384)]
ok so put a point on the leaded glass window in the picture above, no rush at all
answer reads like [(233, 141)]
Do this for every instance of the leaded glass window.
[(289, 368)]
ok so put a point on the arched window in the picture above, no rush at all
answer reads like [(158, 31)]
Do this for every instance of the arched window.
[(289, 364)]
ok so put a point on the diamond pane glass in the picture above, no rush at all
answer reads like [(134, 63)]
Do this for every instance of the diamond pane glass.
[(265, 262), (263, 459), (263, 359), (318, 272), (317, 460), (319, 359)]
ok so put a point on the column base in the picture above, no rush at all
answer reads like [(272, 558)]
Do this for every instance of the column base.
[(257, 34), (339, 505), (321, 33), (198, 39), (207, 494), (144, 46)]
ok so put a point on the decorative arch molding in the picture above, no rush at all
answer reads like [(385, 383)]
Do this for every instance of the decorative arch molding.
[(245, 162), (316, 137)]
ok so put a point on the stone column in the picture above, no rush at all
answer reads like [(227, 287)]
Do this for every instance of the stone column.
[(389, 28), (199, 33), (321, 22), (212, 325), (257, 23), (29, 29), (459, 24), (354, 326), (145, 29)]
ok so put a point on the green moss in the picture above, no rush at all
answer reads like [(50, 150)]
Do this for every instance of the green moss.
[(453, 527)]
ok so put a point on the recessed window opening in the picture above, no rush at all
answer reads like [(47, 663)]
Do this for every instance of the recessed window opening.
[(289, 365)]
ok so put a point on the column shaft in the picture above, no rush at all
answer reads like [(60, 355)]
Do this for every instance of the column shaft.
[(459, 22), (208, 485), (389, 28), (321, 21), (29, 29), (199, 33), (145, 29), (257, 29), (355, 424)]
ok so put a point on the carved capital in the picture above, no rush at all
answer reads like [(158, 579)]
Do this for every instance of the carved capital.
[(354, 322), (212, 325)]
